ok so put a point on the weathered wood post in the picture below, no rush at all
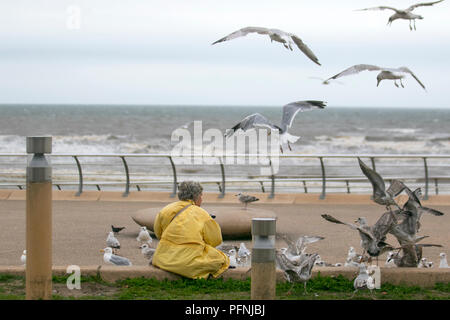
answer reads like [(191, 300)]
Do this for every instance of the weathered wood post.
[(263, 270), (39, 220)]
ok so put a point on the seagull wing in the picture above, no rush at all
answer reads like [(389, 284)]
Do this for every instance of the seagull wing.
[(243, 32), (251, 122), (357, 68), (375, 179), (305, 49), (423, 4), (120, 261), (431, 211), (383, 225), (395, 188), (290, 110), (379, 8), (407, 70), (304, 240), (413, 195), (353, 226)]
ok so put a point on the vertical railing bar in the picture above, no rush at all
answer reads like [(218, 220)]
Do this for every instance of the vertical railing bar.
[(174, 171), (436, 187), (372, 160), (426, 178), (80, 177), (272, 176), (262, 186), (348, 186), (222, 170), (304, 186), (322, 196), (127, 173)]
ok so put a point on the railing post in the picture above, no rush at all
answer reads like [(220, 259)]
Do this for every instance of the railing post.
[(222, 170), (272, 177), (426, 178), (372, 160), (80, 177), (175, 185), (263, 268), (38, 270), (127, 173), (322, 195)]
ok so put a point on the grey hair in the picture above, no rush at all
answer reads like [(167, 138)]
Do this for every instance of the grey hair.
[(189, 190)]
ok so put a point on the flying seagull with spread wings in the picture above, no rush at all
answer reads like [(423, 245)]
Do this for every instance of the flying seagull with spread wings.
[(290, 110), (405, 14), (385, 73), (372, 237), (381, 195), (287, 39)]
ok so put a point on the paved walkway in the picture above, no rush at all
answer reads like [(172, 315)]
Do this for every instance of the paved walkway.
[(80, 228)]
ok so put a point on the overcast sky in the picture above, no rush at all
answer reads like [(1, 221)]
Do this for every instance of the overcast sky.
[(160, 52)]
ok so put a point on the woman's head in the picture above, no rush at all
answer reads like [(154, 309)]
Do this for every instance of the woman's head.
[(190, 190)]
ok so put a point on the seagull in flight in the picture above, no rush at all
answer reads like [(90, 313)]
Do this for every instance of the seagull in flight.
[(325, 81), (405, 14), (256, 120), (385, 73), (288, 40), (372, 237), (380, 194)]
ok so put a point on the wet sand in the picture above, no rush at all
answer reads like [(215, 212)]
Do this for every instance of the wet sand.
[(80, 229)]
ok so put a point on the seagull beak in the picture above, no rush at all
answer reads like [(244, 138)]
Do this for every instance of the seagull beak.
[(102, 251)]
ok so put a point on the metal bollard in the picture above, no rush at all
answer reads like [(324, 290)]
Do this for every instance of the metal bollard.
[(263, 270), (39, 220)]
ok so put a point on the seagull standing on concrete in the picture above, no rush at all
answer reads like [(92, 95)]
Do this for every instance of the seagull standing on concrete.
[(389, 261), (113, 259), (23, 257), (233, 258), (385, 73), (246, 199), (144, 236), (243, 255), (443, 260), (287, 39), (116, 229), (363, 280), (112, 242), (290, 110), (405, 14), (147, 252)]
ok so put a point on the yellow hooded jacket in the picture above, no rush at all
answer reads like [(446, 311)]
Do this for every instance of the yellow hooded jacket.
[(187, 243)]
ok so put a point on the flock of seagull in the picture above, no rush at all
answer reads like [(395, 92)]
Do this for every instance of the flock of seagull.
[(403, 223), (113, 244), (291, 41)]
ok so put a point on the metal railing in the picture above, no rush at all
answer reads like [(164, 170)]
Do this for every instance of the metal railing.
[(321, 178)]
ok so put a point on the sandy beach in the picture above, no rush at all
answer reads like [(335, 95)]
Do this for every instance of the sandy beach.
[(80, 229)]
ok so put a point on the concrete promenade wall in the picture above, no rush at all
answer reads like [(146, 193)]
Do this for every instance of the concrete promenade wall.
[(408, 276)]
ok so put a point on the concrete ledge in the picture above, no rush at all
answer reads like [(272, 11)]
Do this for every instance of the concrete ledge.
[(212, 197), (18, 195), (71, 195), (407, 276), (4, 194)]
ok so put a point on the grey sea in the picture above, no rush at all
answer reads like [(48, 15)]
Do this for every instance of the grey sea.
[(148, 129), (131, 129)]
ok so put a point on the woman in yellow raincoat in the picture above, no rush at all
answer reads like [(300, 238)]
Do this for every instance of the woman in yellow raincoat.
[(188, 237)]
